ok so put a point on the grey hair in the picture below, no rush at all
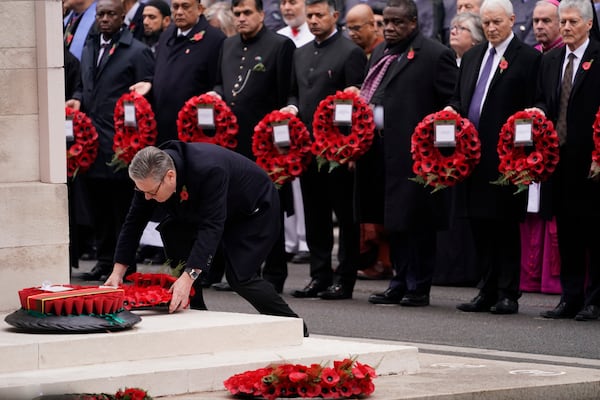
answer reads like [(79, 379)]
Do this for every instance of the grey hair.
[(221, 11), (583, 6), (473, 22), (150, 162), (505, 5)]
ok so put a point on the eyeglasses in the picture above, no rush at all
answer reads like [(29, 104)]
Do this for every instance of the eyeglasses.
[(459, 28), (355, 28), (155, 192)]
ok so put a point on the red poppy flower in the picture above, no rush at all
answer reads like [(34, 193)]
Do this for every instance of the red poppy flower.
[(82, 153), (184, 195), (411, 54), (587, 65), (503, 64), (197, 37)]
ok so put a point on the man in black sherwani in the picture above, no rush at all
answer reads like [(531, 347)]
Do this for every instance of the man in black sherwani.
[(212, 197), (254, 79), (111, 62), (329, 63), (186, 64)]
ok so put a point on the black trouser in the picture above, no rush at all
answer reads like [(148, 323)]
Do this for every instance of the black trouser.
[(413, 257), (498, 247)]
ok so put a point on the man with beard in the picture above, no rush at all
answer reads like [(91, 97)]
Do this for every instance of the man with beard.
[(157, 18)]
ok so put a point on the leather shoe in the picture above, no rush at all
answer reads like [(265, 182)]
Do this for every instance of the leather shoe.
[(480, 303), (505, 306), (221, 287), (415, 300), (302, 257), (561, 311), (390, 296), (589, 313), (337, 291), (100, 272), (311, 290)]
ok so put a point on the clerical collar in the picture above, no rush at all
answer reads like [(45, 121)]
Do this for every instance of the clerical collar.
[(326, 41)]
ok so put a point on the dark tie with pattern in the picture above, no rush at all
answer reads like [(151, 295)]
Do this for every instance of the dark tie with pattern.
[(477, 99), (103, 53), (565, 92)]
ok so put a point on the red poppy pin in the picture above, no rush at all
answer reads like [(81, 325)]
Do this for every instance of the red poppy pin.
[(503, 64), (411, 54), (112, 49), (197, 37), (184, 195), (131, 27), (69, 38), (586, 65)]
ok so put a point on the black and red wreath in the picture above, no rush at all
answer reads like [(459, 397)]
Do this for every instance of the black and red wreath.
[(128, 140), (436, 169), (596, 152), (82, 153), (520, 166), (225, 122), (330, 145), (282, 165)]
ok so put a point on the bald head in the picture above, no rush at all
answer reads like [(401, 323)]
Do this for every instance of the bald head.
[(360, 24)]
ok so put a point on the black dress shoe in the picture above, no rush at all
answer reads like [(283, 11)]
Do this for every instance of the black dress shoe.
[(589, 313), (561, 311), (479, 304), (100, 272), (302, 257), (221, 287), (415, 300), (390, 296), (505, 306), (311, 290), (337, 291)]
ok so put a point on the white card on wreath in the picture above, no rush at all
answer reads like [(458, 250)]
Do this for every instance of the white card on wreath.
[(523, 132), (69, 129), (533, 198), (206, 116), (129, 114), (281, 134), (445, 133), (343, 112)]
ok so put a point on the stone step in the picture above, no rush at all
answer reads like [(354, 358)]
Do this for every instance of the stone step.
[(175, 354)]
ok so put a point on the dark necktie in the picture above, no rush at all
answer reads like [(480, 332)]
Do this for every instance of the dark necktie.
[(375, 76), (103, 53), (565, 92), (477, 99)]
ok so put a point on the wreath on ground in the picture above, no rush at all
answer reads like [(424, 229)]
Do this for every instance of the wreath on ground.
[(82, 153), (520, 166), (128, 140), (226, 126), (347, 379), (122, 394), (436, 169), (282, 165), (148, 290), (330, 145), (596, 152)]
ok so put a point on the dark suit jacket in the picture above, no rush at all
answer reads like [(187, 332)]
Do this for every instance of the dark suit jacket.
[(252, 91), (322, 69), (413, 89), (510, 90), (573, 193), (101, 86), (226, 192), (184, 68)]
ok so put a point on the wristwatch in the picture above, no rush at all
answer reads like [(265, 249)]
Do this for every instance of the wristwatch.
[(193, 273)]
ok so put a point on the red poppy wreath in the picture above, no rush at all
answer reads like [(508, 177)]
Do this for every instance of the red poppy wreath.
[(517, 165), (82, 153), (596, 152), (430, 165), (281, 165), (225, 122), (330, 145), (132, 137), (347, 379)]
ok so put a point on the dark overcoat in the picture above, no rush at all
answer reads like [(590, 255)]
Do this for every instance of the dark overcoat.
[(184, 68), (510, 90), (101, 86)]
